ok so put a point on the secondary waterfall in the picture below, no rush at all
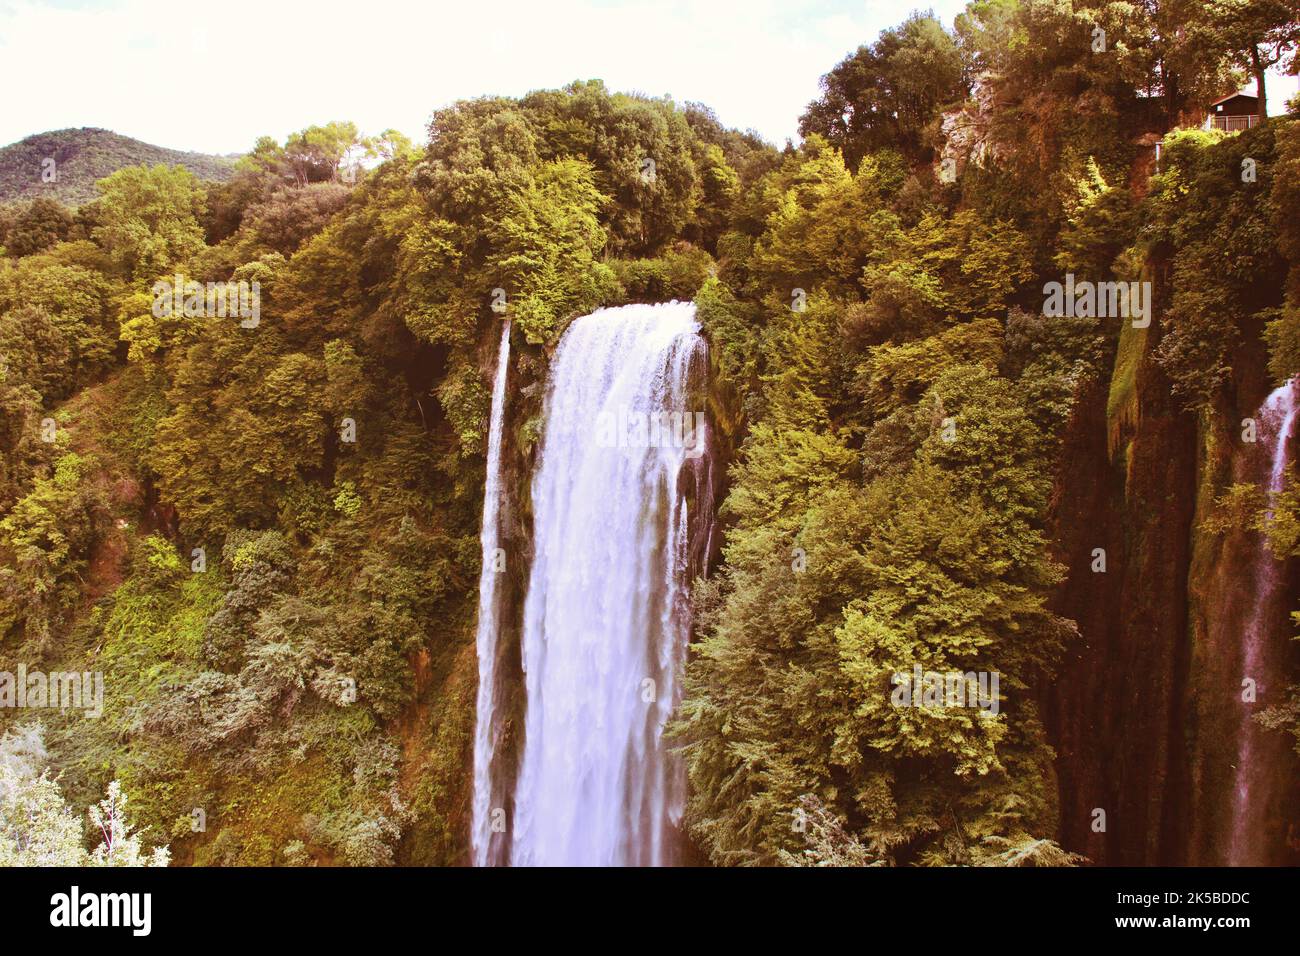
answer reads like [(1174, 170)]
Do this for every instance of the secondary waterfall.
[(606, 617), (486, 730), (1249, 801)]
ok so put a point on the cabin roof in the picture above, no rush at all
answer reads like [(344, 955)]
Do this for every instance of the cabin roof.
[(1251, 100)]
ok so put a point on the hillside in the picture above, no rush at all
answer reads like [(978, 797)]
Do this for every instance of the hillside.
[(83, 156)]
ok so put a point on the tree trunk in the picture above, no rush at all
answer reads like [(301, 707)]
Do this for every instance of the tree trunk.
[(1257, 67)]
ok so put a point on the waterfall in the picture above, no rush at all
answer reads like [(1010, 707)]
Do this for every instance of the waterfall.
[(486, 731), (1249, 802), (606, 617)]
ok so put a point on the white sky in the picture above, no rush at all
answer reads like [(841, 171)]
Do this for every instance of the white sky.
[(213, 76)]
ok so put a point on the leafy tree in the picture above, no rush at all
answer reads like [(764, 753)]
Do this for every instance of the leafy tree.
[(316, 153), (1101, 225), (150, 219), (1057, 86), (120, 847), (47, 537), (942, 270), (789, 691), (676, 274), (1218, 236), (62, 332), (820, 222), (38, 226), (641, 152), (895, 375), (8, 215), (37, 828), (290, 216), (221, 468), (1255, 35), (889, 93)]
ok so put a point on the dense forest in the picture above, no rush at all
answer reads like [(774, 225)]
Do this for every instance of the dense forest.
[(265, 533)]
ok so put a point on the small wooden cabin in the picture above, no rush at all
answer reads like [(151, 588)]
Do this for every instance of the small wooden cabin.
[(1234, 113)]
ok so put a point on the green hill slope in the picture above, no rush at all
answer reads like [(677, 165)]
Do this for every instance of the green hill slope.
[(82, 156)]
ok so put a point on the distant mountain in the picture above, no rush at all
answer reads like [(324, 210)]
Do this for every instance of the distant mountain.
[(82, 156)]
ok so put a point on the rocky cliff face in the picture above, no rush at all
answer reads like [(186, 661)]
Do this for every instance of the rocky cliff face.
[(1116, 707), (1143, 710)]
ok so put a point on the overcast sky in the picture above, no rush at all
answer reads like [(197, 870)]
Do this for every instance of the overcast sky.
[(213, 76)]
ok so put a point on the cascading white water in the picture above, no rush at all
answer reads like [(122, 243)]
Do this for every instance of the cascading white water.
[(1276, 419), (606, 619), (486, 731)]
